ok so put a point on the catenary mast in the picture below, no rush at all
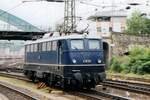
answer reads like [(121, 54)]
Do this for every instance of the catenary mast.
[(69, 17)]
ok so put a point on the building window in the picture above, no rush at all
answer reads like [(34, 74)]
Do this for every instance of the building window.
[(117, 27), (103, 19), (49, 46), (122, 29), (105, 27), (110, 29), (98, 29)]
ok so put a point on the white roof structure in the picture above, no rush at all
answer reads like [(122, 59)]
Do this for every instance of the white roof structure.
[(63, 37), (110, 13)]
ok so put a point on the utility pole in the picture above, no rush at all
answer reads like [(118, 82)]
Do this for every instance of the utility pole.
[(69, 17)]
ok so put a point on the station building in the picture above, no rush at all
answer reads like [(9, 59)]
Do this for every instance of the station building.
[(108, 22)]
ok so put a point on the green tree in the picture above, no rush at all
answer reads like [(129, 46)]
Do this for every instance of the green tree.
[(147, 28), (138, 24)]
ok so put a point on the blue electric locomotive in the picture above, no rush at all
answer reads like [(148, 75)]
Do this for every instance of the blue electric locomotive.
[(74, 60)]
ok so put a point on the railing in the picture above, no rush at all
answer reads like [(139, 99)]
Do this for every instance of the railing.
[(9, 27)]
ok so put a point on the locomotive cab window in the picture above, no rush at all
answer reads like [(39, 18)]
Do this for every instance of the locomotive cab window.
[(77, 44), (94, 44), (54, 45)]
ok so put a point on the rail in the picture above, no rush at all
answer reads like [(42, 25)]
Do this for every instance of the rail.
[(99, 95), (17, 92), (134, 87), (19, 76)]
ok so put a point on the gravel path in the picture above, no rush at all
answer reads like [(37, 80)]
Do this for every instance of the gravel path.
[(3, 97)]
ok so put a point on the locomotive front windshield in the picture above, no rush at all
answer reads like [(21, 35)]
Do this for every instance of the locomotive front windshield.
[(91, 44), (94, 44), (77, 44)]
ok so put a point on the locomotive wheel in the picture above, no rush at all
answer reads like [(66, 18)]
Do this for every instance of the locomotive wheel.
[(34, 79), (31, 75), (50, 80), (75, 84), (25, 72), (65, 84)]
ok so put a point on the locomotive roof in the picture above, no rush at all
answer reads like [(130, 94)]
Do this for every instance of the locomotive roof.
[(62, 38)]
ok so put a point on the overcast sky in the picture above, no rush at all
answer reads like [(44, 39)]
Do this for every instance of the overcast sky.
[(48, 14)]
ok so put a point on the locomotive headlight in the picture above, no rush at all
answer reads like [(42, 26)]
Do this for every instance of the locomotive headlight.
[(74, 61), (99, 61)]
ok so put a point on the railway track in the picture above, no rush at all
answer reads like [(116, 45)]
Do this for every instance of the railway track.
[(90, 94), (19, 76), (146, 85), (14, 93), (116, 76), (98, 95), (130, 86)]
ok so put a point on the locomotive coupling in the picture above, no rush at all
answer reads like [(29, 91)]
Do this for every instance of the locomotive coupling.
[(78, 77)]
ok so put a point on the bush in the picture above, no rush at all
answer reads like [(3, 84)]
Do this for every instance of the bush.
[(140, 70), (115, 66), (125, 68), (137, 62), (146, 67), (135, 66)]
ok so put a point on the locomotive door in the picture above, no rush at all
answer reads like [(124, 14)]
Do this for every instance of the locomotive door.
[(59, 46)]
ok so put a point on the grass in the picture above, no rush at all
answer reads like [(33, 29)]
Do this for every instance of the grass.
[(145, 76)]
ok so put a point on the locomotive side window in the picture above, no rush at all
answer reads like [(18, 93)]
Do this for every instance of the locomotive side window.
[(54, 45), (49, 46), (77, 44), (94, 44), (31, 48), (35, 47), (28, 48), (39, 47), (44, 46)]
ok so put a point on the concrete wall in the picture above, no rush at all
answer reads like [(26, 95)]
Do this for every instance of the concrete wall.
[(118, 44), (123, 43)]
